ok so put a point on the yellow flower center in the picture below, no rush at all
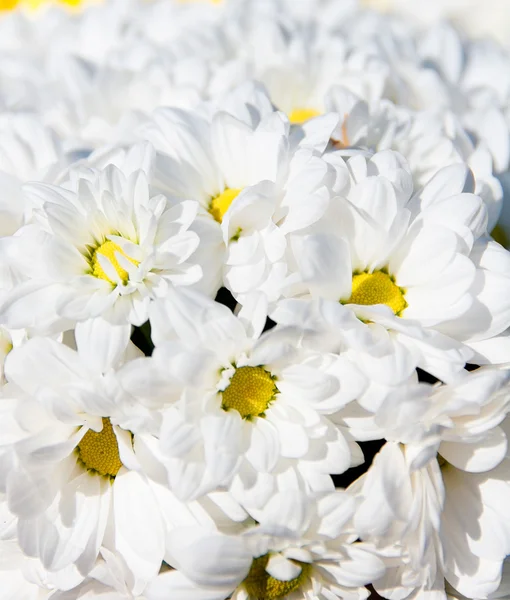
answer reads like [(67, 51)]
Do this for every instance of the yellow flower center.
[(377, 288), (98, 452), (109, 249), (221, 203), (298, 116), (259, 584), (250, 392)]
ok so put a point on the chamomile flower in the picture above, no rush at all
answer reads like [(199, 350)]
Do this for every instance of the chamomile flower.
[(299, 70), (427, 141), (411, 264), (77, 472), (106, 248), (253, 187), (445, 449), (302, 546), (244, 410), (450, 75), (63, 447)]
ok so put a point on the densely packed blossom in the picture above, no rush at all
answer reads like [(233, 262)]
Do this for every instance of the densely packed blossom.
[(254, 301)]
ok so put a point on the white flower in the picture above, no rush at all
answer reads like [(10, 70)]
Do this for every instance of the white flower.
[(18, 577), (253, 185), (299, 69), (302, 547), (459, 77), (420, 266), (104, 248), (78, 474), (28, 150), (72, 471), (254, 412), (427, 141), (438, 488)]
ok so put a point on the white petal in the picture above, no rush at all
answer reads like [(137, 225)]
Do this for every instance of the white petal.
[(334, 511), (194, 318), (479, 456), (264, 449), (449, 181), (29, 492), (101, 344), (222, 439), (210, 559), (325, 266), (282, 569), (387, 492), (173, 584), (359, 568), (139, 535), (49, 363), (286, 514)]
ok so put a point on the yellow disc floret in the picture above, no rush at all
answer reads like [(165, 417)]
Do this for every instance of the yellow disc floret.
[(250, 392), (98, 451), (259, 584), (109, 249), (221, 203), (298, 116), (377, 288)]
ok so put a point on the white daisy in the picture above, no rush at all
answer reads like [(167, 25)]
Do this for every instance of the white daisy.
[(427, 141), (79, 477), (253, 186), (299, 69), (103, 247), (419, 266), (249, 411), (458, 76), (302, 547), (28, 150), (438, 488), (63, 447)]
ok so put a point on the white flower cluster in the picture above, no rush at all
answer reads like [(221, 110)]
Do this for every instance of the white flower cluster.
[(254, 322)]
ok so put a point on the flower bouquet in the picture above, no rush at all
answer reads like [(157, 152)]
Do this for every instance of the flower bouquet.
[(254, 303)]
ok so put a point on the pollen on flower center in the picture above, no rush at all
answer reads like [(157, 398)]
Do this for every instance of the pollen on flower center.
[(221, 203), (377, 288), (108, 249), (259, 584), (98, 451), (250, 392), (298, 116)]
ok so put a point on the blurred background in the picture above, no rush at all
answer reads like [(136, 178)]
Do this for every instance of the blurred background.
[(479, 18)]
